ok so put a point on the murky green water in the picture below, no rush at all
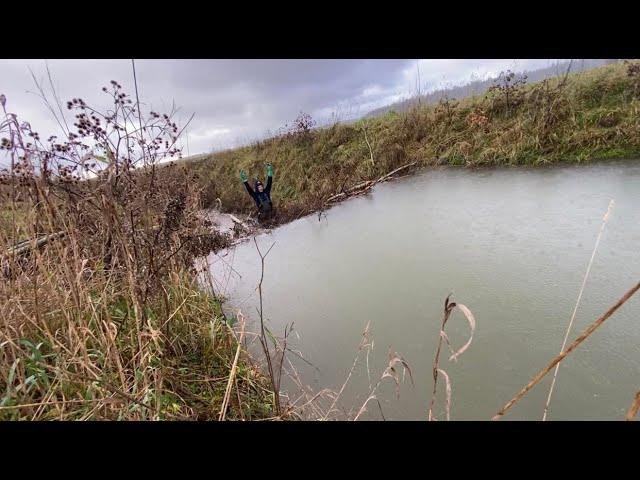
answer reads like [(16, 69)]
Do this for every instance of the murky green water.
[(511, 244)]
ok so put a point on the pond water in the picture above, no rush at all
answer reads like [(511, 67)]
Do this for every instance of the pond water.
[(511, 244)]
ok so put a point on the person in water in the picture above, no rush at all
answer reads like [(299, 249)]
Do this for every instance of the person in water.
[(261, 195)]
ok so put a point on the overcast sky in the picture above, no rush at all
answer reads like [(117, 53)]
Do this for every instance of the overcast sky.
[(236, 101)]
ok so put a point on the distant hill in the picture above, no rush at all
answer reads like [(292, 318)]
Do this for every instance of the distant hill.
[(479, 87)]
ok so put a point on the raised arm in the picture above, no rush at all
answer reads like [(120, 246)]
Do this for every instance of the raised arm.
[(269, 178), (243, 177), (249, 189)]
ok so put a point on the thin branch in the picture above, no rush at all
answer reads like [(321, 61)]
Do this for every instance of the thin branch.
[(368, 145), (588, 331), (633, 409), (573, 315), (263, 341)]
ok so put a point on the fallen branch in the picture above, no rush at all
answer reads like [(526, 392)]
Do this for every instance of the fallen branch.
[(239, 222), (364, 187), (28, 245), (385, 177)]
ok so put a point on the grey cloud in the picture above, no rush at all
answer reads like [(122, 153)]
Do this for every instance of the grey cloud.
[(233, 100)]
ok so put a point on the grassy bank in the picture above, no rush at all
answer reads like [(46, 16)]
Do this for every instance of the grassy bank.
[(75, 349), (580, 118), (105, 320), (80, 339)]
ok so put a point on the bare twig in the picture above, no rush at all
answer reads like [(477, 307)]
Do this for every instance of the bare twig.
[(263, 340)]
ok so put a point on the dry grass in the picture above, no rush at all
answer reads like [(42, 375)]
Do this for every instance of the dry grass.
[(449, 308), (106, 321)]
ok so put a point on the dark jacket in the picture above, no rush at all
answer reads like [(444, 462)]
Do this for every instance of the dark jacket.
[(262, 199)]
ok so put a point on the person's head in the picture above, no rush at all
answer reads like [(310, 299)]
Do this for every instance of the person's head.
[(259, 186)]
